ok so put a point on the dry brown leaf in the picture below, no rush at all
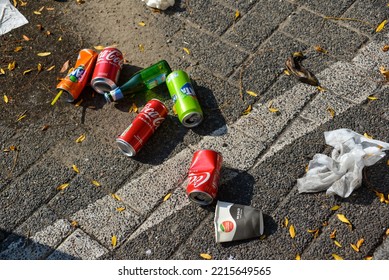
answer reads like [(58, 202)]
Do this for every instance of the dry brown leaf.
[(381, 26), (331, 111), (45, 127), (384, 72), (79, 2), (62, 187), (333, 234), (26, 38), (343, 219), (320, 49), (114, 241), (337, 257), (167, 196), (5, 97), (80, 138), (292, 231), (50, 9), (385, 48), (18, 49), (65, 66), (44, 54), (206, 256)]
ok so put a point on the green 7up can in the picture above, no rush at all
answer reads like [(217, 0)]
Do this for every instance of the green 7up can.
[(185, 101)]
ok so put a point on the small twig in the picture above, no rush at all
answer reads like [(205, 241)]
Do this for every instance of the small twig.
[(350, 19)]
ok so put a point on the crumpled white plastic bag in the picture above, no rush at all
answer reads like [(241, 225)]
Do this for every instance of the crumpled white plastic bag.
[(10, 17), (159, 4), (342, 172)]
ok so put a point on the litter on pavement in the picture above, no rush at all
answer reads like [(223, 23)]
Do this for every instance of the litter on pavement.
[(159, 4), (342, 172), (10, 17)]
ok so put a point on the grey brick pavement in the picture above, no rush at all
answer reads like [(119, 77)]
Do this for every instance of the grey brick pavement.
[(264, 152)]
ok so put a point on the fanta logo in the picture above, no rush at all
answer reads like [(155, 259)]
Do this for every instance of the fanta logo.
[(226, 226), (188, 89), (197, 179)]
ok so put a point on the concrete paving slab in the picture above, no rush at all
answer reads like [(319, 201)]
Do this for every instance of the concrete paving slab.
[(326, 8)]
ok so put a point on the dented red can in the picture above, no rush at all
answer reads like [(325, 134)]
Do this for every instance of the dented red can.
[(203, 177), (142, 127)]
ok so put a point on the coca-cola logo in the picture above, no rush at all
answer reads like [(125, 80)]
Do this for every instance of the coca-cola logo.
[(152, 116), (114, 56), (197, 179)]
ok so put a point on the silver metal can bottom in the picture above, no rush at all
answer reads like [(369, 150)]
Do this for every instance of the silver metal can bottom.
[(192, 119), (68, 96), (125, 148), (200, 197), (102, 85)]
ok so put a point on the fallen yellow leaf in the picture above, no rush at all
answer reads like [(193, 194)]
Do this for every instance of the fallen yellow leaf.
[(314, 231), (81, 138), (273, 110), (384, 72), (337, 243), (360, 242), (387, 232), (39, 67), (120, 209), (26, 38), (335, 207), (116, 197), (99, 48), (133, 108), (337, 257), (385, 48), (79, 103), (18, 49), (62, 187), (381, 26), (320, 49), (292, 231), (286, 72), (285, 223), (237, 14), (114, 241), (75, 168), (94, 182), (44, 54), (331, 111), (186, 50), (167, 196), (15, 3), (355, 247), (141, 23), (321, 89), (37, 13), (21, 117), (367, 136), (141, 48), (50, 68), (74, 224), (2, 72), (248, 110), (27, 71), (11, 65), (333, 234), (371, 97), (206, 256), (368, 258), (252, 93), (343, 219), (5, 98), (298, 257)]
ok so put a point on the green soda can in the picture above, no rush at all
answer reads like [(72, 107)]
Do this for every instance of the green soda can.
[(184, 97)]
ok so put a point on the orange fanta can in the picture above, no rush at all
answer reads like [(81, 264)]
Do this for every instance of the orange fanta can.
[(79, 76)]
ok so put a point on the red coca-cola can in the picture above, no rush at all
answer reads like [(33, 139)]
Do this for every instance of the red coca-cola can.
[(203, 177), (107, 70), (143, 126)]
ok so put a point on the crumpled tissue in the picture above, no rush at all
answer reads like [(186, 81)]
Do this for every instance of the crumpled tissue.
[(159, 4), (342, 172), (10, 17)]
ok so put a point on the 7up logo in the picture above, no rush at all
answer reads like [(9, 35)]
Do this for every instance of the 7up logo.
[(187, 89)]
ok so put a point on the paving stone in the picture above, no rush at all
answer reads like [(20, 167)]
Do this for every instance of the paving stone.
[(101, 220), (265, 126), (211, 16), (382, 253), (235, 155), (40, 245), (370, 14), (78, 195), (78, 246), (145, 192), (260, 72), (241, 33), (241, 6), (30, 191), (349, 81), (327, 8), (339, 41), (380, 106), (38, 221), (214, 54), (371, 57)]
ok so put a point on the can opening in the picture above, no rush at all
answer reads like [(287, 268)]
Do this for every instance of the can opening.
[(192, 119), (103, 85), (200, 197), (125, 148)]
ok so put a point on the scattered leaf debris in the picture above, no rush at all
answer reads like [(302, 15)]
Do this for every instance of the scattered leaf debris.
[(167, 196), (337, 257), (206, 256), (96, 183), (292, 231), (81, 138), (62, 187), (114, 240), (293, 65), (343, 219), (381, 26)]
